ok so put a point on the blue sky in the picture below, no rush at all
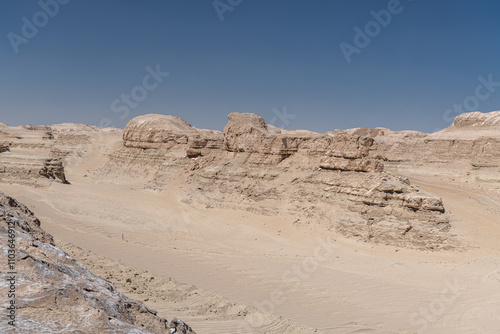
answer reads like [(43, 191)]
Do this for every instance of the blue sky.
[(280, 59)]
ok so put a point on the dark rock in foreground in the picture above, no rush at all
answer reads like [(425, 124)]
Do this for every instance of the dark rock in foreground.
[(56, 294)]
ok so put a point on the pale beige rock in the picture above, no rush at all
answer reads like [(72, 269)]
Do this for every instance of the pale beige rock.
[(477, 120), (468, 150), (74, 127), (256, 170), (43, 128), (247, 133), (419, 202), (356, 165), (153, 131), (28, 159)]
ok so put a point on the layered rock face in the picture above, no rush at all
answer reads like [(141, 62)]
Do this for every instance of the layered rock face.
[(25, 137), (165, 131), (25, 156), (154, 131), (56, 294), (247, 135), (477, 120), (334, 180), (30, 169), (469, 149)]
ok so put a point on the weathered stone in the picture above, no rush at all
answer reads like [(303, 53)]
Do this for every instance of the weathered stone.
[(154, 131), (356, 165), (43, 128), (251, 166), (25, 156), (30, 169), (193, 153), (477, 120), (57, 294), (419, 202)]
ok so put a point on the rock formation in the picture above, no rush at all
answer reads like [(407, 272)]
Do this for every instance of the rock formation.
[(156, 131), (56, 294), (25, 156), (477, 120), (30, 169), (347, 180), (331, 179), (248, 133), (469, 149)]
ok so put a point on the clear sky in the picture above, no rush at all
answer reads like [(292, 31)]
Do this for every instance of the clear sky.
[(299, 64)]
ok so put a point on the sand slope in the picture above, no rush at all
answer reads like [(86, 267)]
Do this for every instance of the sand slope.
[(244, 258)]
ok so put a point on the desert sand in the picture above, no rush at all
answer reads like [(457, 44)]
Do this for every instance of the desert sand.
[(260, 230)]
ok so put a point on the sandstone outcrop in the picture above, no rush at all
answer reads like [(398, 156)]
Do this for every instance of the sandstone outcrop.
[(157, 131), (345, 180), (153, 131), (334, 179), (30, 169), (477, 120), (25, 156), (38, 155), (469, 150), (355, 165), (248, 133), (56, 294), (24, 137), (245, 135), (43, 128)]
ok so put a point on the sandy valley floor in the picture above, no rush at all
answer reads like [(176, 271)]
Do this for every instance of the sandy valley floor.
[(308, 276)]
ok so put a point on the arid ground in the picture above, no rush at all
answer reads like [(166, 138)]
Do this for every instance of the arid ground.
[(255, 231)]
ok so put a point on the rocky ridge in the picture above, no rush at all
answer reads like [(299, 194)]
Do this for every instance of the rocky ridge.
[(333, 179), (349, 181)]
